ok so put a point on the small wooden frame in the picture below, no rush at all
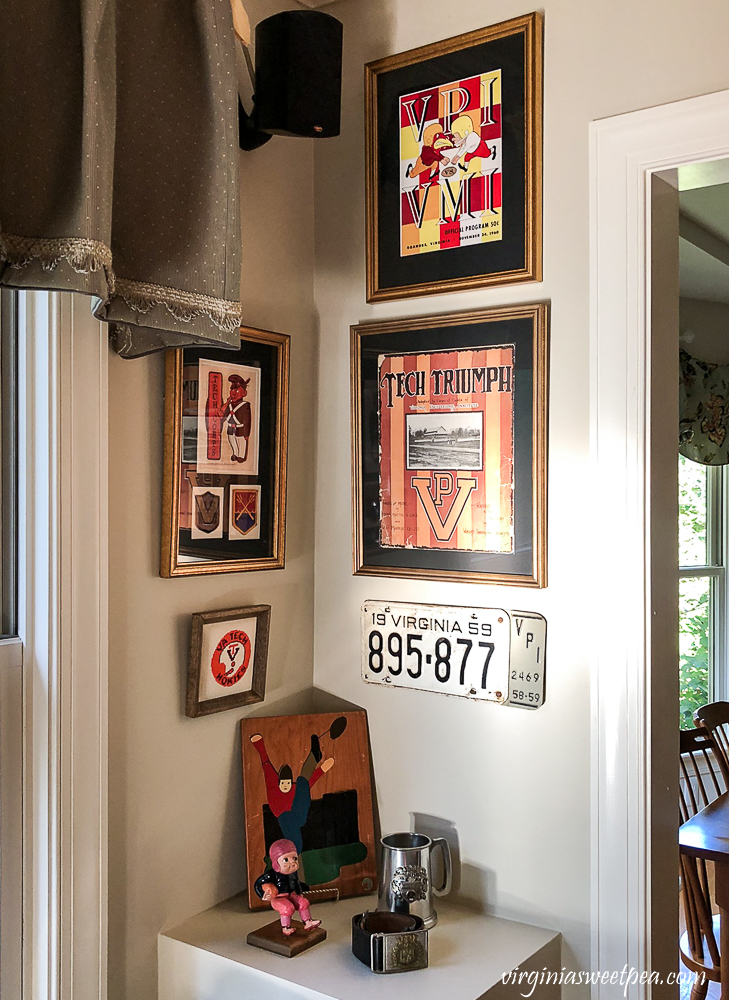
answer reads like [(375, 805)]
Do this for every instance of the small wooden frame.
[(272, 938), (228, 659), (335, 831)]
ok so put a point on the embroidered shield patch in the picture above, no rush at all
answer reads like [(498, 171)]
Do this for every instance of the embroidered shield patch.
[(207, 508), (207, 512), (244, 509)]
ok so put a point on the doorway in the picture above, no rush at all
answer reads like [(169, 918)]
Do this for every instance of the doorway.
[(703, 492), (634, 741), (703, 481)]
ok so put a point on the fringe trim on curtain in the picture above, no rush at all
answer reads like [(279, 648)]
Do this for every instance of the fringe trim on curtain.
[(185, 306), (86, 256), (83, 255)]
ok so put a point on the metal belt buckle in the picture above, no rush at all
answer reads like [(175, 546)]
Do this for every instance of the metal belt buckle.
[(395, 943), (373, 961), (405, 952)]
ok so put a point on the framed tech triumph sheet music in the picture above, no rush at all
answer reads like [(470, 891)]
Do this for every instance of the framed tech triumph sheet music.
[(454, 163), (224, 485), (449, 420)]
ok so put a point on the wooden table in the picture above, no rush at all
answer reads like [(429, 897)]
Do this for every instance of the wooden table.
[(706, 835)]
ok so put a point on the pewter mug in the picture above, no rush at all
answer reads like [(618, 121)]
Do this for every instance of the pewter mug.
[(406, 885)]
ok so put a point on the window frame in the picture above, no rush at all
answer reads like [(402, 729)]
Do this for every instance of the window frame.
[(11, 667), (62, 624), (11, 810), (715, 570), (8, 464)]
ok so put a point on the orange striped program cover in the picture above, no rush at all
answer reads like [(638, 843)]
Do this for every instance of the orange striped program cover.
[(446, 424)]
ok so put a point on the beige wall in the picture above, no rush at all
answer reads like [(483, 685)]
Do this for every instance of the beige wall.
[(176, 842), (705, 330), (515, 785)]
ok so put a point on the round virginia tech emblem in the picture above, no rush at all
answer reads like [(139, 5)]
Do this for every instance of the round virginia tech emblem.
[(231, 658)]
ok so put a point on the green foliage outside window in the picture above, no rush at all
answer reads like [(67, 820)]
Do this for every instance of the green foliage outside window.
[(693, 639), (695, 594)]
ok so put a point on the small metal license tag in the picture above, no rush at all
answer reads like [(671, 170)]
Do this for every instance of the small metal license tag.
[(527, 659), (485, 654)]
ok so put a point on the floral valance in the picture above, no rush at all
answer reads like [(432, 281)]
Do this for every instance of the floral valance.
[(703, 411), (119, 163)]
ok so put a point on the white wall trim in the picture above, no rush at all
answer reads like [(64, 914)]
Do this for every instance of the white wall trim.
[(624, 152), (63, 624), (11, 811)]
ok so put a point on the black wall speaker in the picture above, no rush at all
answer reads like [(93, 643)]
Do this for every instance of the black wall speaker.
[(299, 74)]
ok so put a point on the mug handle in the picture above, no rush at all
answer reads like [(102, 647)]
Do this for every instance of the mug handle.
[(447, 867)]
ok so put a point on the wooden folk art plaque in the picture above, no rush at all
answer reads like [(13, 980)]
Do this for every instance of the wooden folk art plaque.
[(324, 806)]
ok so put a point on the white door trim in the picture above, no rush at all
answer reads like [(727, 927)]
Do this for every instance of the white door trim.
[(63, 624), (11, 812), (624, 152)]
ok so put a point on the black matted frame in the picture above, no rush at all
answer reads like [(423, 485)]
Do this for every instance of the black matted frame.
[(181, 555), (525, 327), (514, 47)]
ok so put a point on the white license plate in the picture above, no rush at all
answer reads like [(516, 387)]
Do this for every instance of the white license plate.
[(456, 651), (527, 659), (487, 654)]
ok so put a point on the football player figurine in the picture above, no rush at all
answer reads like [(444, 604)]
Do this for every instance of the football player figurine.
[(280, 886)]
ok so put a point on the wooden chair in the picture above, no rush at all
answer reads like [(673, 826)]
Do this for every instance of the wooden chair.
[(704, 775), (715, 718)]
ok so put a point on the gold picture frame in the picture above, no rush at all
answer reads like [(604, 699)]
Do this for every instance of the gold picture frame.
[(449, 463), (453, 185), (224, 474)]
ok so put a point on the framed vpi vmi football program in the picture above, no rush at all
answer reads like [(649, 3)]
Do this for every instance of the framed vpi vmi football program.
[(454, 163), (224, 480), (449, 422)]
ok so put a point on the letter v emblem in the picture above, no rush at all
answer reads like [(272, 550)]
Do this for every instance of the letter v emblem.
[(418, 210), (444, 529)]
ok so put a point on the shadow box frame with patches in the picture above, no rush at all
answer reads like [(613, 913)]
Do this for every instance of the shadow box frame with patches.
[(228, 659), (449, 457), (225, 452), (454, 163), (308, 779)]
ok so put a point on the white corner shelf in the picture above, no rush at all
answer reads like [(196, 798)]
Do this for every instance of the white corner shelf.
[(207, 958)]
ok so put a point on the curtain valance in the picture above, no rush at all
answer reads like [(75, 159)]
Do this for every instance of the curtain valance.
[(703, 411), (119, 163)]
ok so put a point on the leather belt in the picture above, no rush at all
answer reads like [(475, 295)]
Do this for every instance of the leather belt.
[(390, 942)]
